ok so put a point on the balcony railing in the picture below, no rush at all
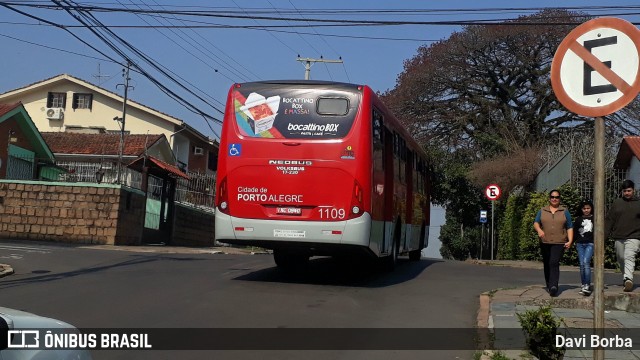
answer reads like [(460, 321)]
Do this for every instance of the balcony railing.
[(198, 190)]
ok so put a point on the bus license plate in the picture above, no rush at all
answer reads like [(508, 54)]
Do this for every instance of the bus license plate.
[(288, 211), (288, 233)]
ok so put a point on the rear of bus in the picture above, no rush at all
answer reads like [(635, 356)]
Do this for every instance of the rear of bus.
[(294, 169)]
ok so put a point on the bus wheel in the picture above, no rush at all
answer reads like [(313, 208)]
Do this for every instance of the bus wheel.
[(289, 260)]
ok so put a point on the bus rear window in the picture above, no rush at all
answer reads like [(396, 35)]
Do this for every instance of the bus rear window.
[(333, 106), (282, 112)]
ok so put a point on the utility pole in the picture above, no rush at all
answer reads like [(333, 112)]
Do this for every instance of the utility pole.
[(308, 61), (125, 74)]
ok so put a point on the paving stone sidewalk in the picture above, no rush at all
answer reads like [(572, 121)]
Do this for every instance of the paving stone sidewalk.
[(499, 308)]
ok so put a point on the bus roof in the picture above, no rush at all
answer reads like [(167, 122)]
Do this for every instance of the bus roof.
[(319, 83)]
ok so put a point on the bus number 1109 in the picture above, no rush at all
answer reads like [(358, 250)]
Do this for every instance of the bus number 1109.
[(332, 213)]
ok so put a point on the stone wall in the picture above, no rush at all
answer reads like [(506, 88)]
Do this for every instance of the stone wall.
[(193, 227), (71, 212)]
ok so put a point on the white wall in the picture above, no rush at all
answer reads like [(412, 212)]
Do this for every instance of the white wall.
[(634, 171), (181, 148), (437, 220)]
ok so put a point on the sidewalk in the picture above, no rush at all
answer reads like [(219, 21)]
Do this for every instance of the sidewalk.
[(498, 312)]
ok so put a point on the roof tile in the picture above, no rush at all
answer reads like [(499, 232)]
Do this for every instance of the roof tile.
[(98, 144), (5, 108)]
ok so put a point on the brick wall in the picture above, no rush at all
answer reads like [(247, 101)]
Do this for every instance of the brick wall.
[(193, 227), (76, 213)]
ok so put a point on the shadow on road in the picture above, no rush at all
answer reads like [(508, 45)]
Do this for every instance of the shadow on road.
[(332, 271), (8, 282)]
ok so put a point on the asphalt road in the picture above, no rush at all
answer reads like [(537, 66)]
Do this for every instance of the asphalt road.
[(93, 288)]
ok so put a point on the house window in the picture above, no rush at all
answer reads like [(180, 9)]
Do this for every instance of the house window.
[(56, 100), (82, 101)]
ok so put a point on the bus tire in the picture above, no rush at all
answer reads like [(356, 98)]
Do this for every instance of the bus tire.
[(289, 260)]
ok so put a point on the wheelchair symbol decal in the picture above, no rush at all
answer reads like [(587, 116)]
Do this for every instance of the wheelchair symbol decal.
[(235, 149)]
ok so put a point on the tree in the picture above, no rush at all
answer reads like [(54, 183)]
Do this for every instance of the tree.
[(486, 86), (484, 94)]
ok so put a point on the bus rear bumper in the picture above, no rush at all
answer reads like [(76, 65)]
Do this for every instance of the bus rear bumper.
[(279, 233)]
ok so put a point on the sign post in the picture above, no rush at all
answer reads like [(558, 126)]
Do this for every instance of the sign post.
[(493, 193), (483, 220), (596, 72)]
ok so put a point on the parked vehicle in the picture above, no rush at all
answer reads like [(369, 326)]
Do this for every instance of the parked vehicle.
[(13, 320)]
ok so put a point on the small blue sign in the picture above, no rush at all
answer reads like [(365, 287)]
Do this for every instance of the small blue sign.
[(483, 216), (235, 149)]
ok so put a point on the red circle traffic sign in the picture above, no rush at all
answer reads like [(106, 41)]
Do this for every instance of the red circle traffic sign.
[(596, 69), (492, 192)]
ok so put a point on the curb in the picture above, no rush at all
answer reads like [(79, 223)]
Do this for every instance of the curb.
[(614, 299), (5, 270)]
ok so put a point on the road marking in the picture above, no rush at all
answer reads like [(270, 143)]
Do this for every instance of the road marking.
[(12, 256), (25, 248)]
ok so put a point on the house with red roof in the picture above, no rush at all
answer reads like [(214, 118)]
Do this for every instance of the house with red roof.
[(84, 154), (66, 104), (24, 154), (628, 158)]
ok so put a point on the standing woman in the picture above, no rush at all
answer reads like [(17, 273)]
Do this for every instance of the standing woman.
[(583, 233), (555, 230)]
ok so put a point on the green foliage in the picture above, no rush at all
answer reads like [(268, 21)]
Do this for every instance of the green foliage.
[(451, 187), (529, 246), (517, 240), (540, 328), (509, 227), (459, 242), (571, 200), (499, 356)]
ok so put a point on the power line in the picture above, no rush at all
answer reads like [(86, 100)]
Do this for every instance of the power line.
[(57, 49), (365, 11), (190, 40), (326, 42), (232, 15), (256, 21), (232, 60), (161, 86)]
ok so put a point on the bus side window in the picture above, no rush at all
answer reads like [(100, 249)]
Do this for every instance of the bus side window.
[(378, 133), (402, 158)]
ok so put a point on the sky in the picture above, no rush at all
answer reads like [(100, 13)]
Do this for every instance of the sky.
[(40, 43)]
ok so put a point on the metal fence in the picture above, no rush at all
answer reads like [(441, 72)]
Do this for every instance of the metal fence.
[(198, 190), (579, 170)]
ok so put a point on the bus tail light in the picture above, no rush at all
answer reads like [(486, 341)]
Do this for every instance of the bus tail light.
[(223, 198), (356, 200)]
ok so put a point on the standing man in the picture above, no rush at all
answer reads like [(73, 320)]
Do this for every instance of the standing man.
[(623, 225)]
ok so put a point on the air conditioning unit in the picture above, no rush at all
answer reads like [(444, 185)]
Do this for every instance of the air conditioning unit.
[(54, 113), (198, 150)]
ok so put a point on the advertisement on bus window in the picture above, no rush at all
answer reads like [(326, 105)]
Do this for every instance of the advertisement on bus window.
[(284, 113)]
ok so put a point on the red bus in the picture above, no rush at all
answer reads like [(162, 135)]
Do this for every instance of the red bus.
[(311, 168)]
